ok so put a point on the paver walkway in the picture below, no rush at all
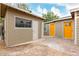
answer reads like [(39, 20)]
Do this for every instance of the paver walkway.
[(45, 47), (63, 45), (33, 49)]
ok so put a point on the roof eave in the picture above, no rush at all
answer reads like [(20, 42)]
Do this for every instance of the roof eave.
[(61, 19), (23, 11), (74, 10)]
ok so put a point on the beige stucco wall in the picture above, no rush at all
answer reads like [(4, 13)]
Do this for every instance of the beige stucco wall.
[(40, 29), (13, 35), (59, 29)]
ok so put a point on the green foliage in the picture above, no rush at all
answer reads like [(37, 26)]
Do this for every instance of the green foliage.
[(24, 6), (50, 16)]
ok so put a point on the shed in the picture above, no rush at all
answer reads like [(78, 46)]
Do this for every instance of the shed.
[(20, 26)]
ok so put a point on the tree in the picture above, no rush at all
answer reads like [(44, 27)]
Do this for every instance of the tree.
[(50, 16), (24, 6)]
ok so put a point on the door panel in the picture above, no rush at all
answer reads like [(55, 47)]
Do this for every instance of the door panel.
[(68, 29), (52, 29), (35, 30)]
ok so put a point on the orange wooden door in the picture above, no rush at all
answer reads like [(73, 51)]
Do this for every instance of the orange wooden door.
[(68, 29), (52, 29)]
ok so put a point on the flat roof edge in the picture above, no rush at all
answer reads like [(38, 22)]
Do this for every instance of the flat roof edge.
[(61, 19), (74, 10)]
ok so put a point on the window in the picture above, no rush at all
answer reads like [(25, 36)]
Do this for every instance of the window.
[(78, 13), (68, 24), (20, 22), (28, 24)]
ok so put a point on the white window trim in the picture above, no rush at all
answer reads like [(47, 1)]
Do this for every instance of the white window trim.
[(20, 27)]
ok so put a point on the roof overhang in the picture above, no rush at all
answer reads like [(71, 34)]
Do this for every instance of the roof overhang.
[(73, 11), (61, 19), (3, 8)]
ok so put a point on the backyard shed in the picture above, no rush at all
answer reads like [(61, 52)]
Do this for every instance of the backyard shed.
[(20, 26), (62, 28)]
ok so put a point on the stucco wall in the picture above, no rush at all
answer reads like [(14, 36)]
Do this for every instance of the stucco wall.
[(40, 29), (59, 29), (13, 35), (73, 29)]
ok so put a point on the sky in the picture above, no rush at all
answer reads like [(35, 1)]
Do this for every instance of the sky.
[(60, 9)]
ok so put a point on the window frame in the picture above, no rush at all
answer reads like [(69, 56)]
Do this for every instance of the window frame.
[(21, 27), (68, 23), (77, 13)]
